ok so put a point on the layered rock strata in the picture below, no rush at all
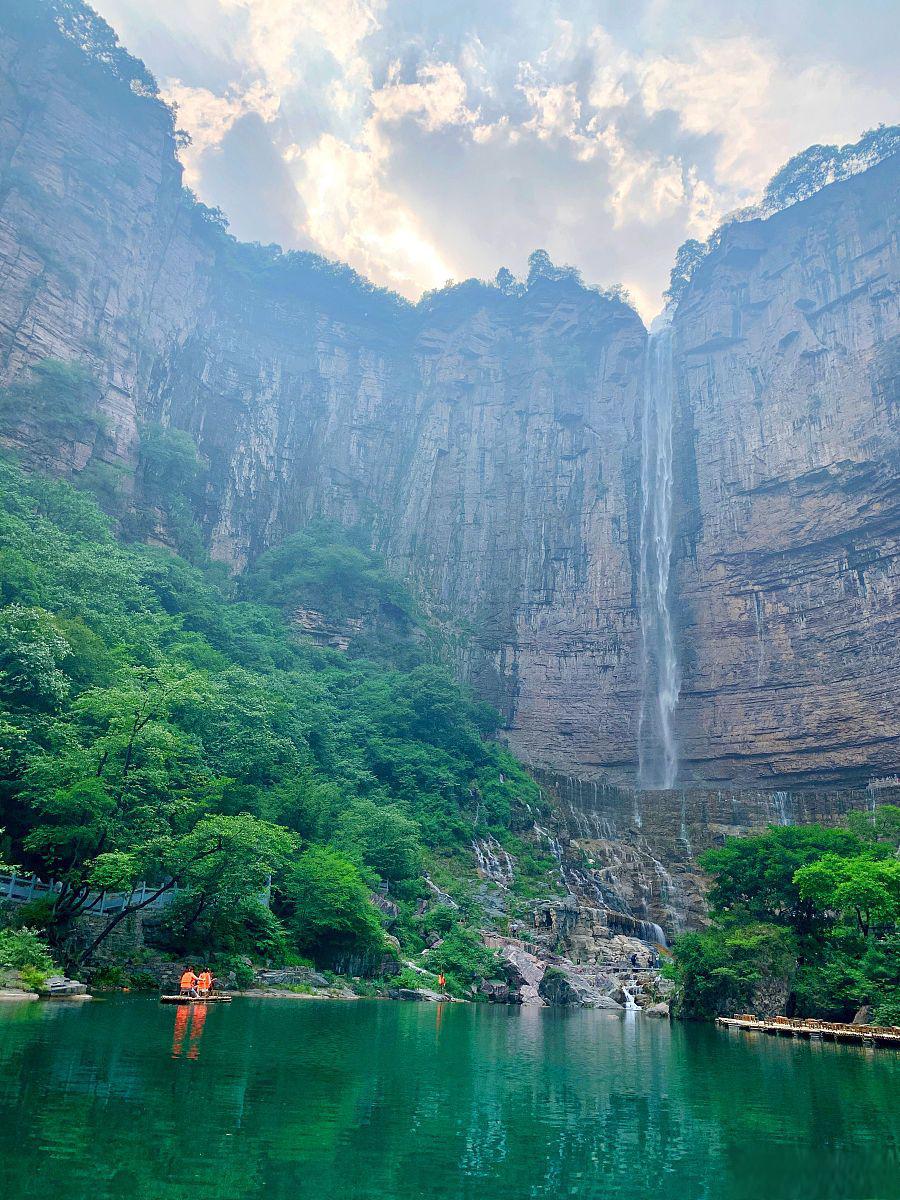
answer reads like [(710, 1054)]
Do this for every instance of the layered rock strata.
[(488, 440), (632, 855), (787, 454)]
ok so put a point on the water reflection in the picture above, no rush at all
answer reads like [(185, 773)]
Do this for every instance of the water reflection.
[(399, 1101), (191, 1016)]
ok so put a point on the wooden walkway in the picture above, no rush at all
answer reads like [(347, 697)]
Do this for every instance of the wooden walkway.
[(808, 1027)]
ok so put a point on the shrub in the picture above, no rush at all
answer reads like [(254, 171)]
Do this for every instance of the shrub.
[(23, 949), (34, 979), (240, 967)]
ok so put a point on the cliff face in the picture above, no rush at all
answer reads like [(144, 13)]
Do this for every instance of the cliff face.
[(98, 258), (788, 448), (490, 441), (486, 440), (635, 852)]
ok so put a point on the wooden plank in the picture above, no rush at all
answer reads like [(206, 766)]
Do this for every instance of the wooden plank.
[(195, 999)]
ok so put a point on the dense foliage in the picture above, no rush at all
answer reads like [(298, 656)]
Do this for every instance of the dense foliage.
[(806, 914), (160, 725)]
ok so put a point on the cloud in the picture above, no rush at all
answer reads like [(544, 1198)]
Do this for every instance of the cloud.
[(209, 117), (437, 98), (352, 216), (280, 32), (422, 141), (555, 107)]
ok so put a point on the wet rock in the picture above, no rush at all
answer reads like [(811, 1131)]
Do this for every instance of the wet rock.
[(495, 991)]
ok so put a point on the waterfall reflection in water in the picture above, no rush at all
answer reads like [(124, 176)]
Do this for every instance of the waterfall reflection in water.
[(660, 682)]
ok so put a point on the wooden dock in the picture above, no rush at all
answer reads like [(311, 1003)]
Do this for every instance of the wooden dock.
[(195, 999), (808, 1027)]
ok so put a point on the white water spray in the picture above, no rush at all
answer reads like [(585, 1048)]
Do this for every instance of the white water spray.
[(660, 682)]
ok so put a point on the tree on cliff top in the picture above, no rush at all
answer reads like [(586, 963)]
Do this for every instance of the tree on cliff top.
[(83, 28), (801, 177)]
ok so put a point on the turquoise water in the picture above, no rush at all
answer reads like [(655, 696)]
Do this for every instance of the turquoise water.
[(296, 1098)]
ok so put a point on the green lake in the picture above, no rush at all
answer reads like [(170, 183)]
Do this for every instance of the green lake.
[(293, 1098)]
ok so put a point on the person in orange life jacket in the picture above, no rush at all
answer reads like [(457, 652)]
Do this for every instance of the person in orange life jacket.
[(205, 982), (442, 981), (187, 985)]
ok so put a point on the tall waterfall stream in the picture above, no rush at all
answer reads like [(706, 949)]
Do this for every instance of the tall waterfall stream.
[(660, 681)]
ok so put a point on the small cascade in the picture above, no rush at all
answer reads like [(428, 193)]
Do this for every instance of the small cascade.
[(660, 681), (630, 1004), (683, 835), (442, 896), (646, 931), (600, 886), (554, 843), (494, 863), (781, 802)]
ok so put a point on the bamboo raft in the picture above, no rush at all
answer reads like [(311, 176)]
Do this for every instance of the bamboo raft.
[(195, 999), (809, 1027)]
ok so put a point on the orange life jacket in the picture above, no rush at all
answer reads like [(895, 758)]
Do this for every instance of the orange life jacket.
[(188, 979), (204, 983)]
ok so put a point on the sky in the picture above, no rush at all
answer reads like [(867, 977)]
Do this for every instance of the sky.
[(424, 141)]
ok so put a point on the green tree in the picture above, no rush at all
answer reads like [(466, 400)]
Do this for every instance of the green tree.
[(719, 970), (381, 837), (864, 889), (754, 877), (327, 906), (32, 647)]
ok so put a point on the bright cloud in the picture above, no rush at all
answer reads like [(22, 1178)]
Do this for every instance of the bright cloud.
[(421, 142)]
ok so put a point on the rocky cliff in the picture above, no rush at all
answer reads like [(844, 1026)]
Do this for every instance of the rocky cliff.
[(788, 448), (489, 439)]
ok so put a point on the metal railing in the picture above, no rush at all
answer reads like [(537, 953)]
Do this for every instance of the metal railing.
[(21, 889)]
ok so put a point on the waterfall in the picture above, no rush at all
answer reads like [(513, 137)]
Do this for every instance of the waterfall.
[(660, 683)]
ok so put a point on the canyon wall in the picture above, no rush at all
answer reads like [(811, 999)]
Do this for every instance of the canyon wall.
[(488, 439), (788, 457)]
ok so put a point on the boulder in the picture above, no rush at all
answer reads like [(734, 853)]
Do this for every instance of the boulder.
[(524, 972), (566, 989), (657, 1010), (863, 1016), (416, 994), (497, 992), (290, 975), (59, 985)]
